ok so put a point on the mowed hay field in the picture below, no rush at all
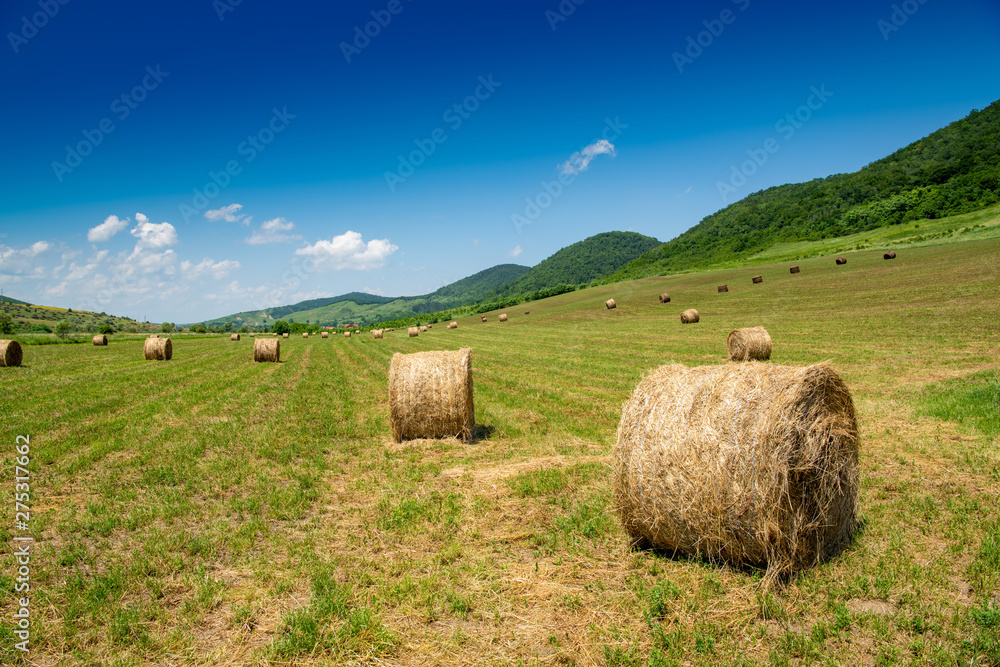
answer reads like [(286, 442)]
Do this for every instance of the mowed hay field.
[(212, 510)]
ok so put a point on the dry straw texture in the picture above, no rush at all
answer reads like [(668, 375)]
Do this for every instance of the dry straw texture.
[(484, 318), (378, 333), (99, 340), (325, 334), (503, 317), (422, 329), (430, 395), (664, 298), (284, 335), (452, 325), (841, 260), (413, 332), (747, 463), (158, 349), (757, 279), (750, 344), (10, 353), (793, 269), (610, 303), (889, 255), (267, 349), (347, 334), (723, 288), (234, 337), (305, 335), (690, 316)]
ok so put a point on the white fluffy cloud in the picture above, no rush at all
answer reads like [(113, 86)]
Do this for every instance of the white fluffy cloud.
[(217, 270), (349, 251), (111, 226), (151, 235), (581, 160), (273, 231), (516, 251), (229, 213)]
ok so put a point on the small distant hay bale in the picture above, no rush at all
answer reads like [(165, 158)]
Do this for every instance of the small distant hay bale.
[(378, 333), (527, 312), (484, 318), (347, 334), (234, 337), (749, 344), (430, 326), (99, 340), (503, 317), (11, 353), (158, 349), (413, 332), (430, 395), (305, 335), (664, 298), (610, 303), (284, 335), (752, 464), (452, 325), (325, 334), (757, 280), (841, 260), (690, 316), (422, 328), (267, 349), (889, 255), (723, 288), (251, 335), (793, 269)]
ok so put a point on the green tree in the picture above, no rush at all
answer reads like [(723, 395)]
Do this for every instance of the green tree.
[(227, 327), (199, 328), (63, 328), (105, 328), (167, 327), (281, 326), (7, 325)]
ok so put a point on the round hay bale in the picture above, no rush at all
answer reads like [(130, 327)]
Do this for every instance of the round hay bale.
[(423, 328), (347, 334), (413, 332), (750, 463), (527, 312), (690, 316), (11, 353), (267, 349), (99, 340), (234, 337), (284, 335), (723, 288), (664, 298), (503, 317), (484, 318), (757, 280), (378, 333), (158, 349), (841, 260), (793, 269), (610, 303), (749, 344), (889, 255), (325, 334), (452, 325), (430, 395)]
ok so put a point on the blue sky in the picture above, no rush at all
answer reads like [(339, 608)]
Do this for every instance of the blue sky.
[(184, 160)]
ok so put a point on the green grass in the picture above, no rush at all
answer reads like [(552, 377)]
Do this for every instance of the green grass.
[(209, 510)]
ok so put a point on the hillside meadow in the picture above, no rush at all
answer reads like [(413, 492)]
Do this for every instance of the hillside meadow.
[(213, 511)]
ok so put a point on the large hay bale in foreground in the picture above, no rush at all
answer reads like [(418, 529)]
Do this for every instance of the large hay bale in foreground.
[(841, 260), (503, 317), (11, 353), (757, 280), (325, 334), (889, 255), (452, 325), (723, 288), (234, 337), (793, 269), (747, 463), (430, 395), (610, 303), (267, 349), (413, 332), (158, 349), (664, 298), (378, 333), (99, 340), (749, 344), (690, 316)]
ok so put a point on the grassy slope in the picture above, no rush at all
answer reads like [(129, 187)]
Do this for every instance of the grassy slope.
[(81, 320), (276, 521)]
